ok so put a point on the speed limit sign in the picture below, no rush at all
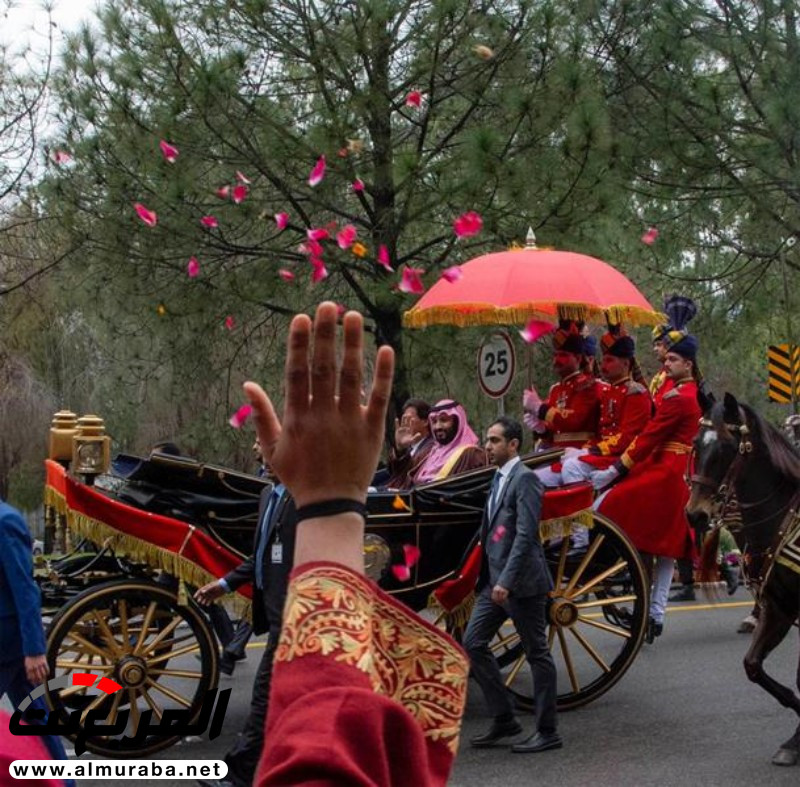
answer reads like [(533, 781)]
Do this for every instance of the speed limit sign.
[(496, 365)]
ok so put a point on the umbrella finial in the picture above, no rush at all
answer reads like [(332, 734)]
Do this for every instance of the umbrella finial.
[(530, 239)]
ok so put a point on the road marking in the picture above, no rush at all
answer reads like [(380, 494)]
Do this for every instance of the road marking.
[(723, 605)]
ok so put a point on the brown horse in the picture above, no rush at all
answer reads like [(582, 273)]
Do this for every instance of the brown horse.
[(743, 463)]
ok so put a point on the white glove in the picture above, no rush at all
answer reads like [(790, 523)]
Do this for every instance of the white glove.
[(530, 420), (603, 478), (571, 451), (531, 400)]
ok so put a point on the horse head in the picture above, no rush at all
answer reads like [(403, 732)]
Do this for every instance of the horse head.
[(722, 441)]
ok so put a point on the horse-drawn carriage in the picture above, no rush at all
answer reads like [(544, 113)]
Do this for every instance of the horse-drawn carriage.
[(149, 531)]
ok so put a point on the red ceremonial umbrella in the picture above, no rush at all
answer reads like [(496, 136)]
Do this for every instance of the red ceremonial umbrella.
[(512, 287)]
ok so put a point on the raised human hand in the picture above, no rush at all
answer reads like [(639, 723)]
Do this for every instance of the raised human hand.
[(404, 435), (531, 401)]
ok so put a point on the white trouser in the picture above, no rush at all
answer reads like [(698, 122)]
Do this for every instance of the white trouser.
[(662, 581), (574, 470), (548, 476)]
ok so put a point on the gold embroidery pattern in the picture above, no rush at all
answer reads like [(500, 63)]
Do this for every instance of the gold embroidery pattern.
[(335, 612)]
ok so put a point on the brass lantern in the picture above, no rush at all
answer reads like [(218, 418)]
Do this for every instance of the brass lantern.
[(91, 447), (62, 430)]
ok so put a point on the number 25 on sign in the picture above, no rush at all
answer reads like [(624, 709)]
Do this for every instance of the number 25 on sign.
[(496, 364)]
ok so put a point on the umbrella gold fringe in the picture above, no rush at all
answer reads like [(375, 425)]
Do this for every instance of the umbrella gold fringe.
[(156, 557), (469, 314)]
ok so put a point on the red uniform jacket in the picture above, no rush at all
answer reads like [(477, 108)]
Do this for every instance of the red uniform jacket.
[(572, 411), (660, 385), (625, 409)]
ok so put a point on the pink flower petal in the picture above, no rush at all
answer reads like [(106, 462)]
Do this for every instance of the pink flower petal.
[(340, 309), (320, 272), (286, 274), (468, 224), (412, 554), (414, 99), (383, 258), (282, 220), (650, 236), (401, 573), (170, 151), (358, 185), (498, 533), (149, 217), (209, 221), (311, 247), (193, 267), (230, 323), (346, 237), (318, 173), (224, 192), (452, 274), (242, 178), (317, 234), (535, 329), (60, 157), (238, 419), (411, 282), (342, 152), (239, 193)]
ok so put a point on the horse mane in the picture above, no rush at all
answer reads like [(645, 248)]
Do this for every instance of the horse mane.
[(781, 453)]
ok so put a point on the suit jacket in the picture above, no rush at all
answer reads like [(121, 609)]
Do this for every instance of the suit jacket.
[(268, 605), (403, 468), (513, 556), (21, 631)]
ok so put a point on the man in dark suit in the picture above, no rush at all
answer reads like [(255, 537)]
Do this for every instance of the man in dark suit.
[(268, 568), (514, 582), (23, 663)]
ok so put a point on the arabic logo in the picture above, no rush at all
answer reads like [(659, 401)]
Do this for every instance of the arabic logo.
[(83, 724)]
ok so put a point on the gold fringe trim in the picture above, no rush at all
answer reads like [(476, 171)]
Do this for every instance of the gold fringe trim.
[(464, 315), (54, 499), (562, 526), (456, 618), (154, 556)]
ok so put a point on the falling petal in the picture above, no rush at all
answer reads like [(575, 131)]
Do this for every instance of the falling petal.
[(320, 272), (650, 236), (311, 247), (411, 281), (358, 185), (398, 504), (239, 193), (401, 573), (346, 237), (340, 309), (468, 224), (318, 173), (209, 221), (498, 533), (412, 554), (342, 152), (286, 274), (359, 249), (535, 329), (383, 258), (60, 157), (414, 99), (230, 323), (483, 51), (224, 192), (282, 220), (161, 310), (242, 178), (193, 267), (238, 419), (170, 151), (452, 274), (149, 217), (317, 234)]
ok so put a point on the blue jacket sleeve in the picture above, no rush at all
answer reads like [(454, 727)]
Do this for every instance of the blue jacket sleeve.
[(16, 563)]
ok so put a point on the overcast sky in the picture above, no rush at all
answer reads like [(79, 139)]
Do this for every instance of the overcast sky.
[(27, 21)]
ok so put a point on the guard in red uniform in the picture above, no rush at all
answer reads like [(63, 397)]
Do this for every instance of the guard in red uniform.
[(625, 409), (649, 500)]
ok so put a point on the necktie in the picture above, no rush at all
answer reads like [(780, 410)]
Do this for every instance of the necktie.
[(493, 493), (272, 507)]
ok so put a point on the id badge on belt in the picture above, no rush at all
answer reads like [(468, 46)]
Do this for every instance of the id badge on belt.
[(277, 552)]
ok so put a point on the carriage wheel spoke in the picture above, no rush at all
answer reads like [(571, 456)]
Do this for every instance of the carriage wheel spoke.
[(167, 630), (95, 703), (72, 690), (562, 563), (604, 602), (512, 675), (173, 654), (112, 714), (590, 650), (123, 624), (171, 693), (148, 618), (135, 716), (107, 633), (87, 647), (154, 706), (587, 558), (602, 577), (619, 632), (77, 665), (573, 678), (506, 642), (551, 635), (176, 673)]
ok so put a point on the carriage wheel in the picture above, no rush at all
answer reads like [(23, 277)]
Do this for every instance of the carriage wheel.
[(135, 633), (597, 619)]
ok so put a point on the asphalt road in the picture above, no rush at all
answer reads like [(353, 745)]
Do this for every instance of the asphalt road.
[(684, 713)]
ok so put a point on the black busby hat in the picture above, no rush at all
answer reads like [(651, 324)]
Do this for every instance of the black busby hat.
[(569, 337)]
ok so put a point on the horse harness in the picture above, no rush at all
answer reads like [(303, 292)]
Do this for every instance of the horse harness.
[(727, 512)]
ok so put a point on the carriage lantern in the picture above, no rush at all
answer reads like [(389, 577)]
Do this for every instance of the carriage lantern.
[(91, 448), (62, 430)]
